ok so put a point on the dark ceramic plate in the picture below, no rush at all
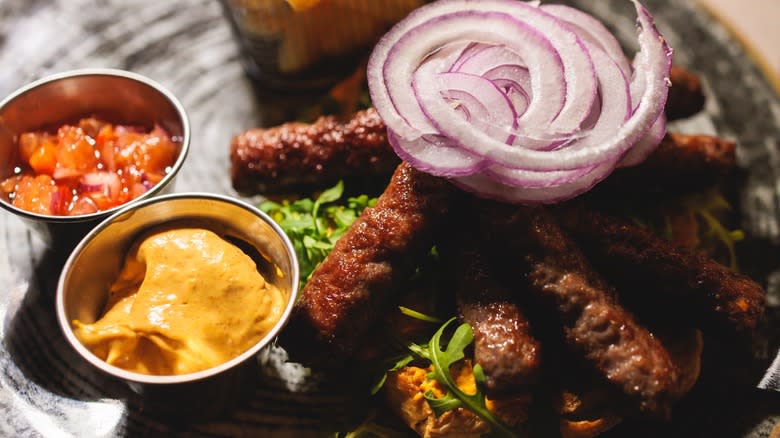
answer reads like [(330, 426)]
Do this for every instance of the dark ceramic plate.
[(46, 390)]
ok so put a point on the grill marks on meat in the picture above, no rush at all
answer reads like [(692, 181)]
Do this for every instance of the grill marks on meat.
[(594, 324), (653, 272), (351, 288), (503, 344), (686, 95), (297, 154)]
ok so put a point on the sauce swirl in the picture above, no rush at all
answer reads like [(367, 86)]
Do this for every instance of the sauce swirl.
[(186, 300)]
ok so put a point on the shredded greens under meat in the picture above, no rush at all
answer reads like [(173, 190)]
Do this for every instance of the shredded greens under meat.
[(705, 212)]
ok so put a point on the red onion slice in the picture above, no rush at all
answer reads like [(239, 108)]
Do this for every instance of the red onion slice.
[(57, 202), (478, 63), (106, 183), (518, 102), (484, 186), (66, 172), (533, 180), (643, 148), (492, 110), (515, 82), (469, 52), (580, 86), (592, 30), (82, 205), (546, 70), (436, 154)]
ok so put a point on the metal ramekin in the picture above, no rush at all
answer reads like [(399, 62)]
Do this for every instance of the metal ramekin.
[(115, 95), (94, 264)]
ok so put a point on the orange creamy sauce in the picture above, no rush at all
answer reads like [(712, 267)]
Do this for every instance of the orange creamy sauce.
[(186, 300), (87, 167)]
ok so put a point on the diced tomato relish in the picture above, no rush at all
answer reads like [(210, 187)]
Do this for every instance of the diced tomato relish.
[(88, 167)]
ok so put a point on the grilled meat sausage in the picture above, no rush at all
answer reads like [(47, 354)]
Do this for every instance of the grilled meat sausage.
[(662, 276), (350, 288), (296, 154), (686, 95), (594, 324), (681, 163), (503, 346)]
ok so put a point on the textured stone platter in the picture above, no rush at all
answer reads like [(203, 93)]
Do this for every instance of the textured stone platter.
[(46, 390)]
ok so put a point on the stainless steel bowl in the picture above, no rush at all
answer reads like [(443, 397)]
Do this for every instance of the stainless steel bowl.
[(115, 95), (94, 264)]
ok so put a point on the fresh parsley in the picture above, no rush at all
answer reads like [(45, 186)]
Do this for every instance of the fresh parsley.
[(314, 226)]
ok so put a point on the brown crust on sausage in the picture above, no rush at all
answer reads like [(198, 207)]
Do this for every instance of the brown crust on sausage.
[(681, 164), (594, 324), (350, 289), (503, 345), (297, 154), (294, 155), (709, 294), (686, 95)]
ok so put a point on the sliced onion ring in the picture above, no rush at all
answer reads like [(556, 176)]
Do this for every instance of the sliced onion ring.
[(446, 79)]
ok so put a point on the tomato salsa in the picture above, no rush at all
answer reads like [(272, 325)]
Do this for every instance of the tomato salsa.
[(87, 167)]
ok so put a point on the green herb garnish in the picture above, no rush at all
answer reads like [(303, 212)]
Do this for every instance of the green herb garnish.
[(442, 360), (395, 364), (398, 361), (418, 315), (708, 208), (370, 429), (314, 226)]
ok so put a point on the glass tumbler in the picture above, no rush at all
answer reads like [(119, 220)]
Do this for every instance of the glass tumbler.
[(302, 46)]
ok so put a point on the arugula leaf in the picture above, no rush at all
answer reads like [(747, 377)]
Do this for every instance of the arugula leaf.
[(418, 315), (419, 350), (441, 405), (399, 363), (442, 360), (314, 226)]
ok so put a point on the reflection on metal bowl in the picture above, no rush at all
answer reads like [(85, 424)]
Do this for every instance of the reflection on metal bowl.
[(83, 290), (113, 95)]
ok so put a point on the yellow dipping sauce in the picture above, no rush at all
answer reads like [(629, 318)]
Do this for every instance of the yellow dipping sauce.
[(302, 5), (185, 300)]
